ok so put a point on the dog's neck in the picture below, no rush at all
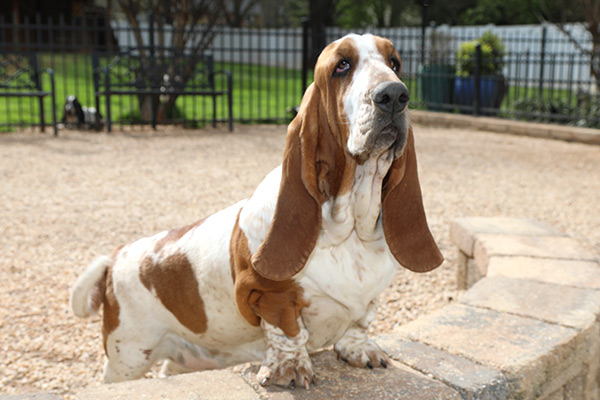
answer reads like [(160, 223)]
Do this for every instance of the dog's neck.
[(359, 209)]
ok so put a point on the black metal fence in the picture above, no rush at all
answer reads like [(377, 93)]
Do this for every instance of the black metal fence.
[(542, 75), (266, 65)]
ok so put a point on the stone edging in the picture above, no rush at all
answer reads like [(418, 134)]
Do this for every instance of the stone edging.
[(527, 328), (533, 313), (500, 125)]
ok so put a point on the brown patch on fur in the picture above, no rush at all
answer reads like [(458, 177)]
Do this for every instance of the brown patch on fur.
[(176, 286), (278, 302), (175, 234), (98, 294), (147, 353), (387, 50), (111, 308)]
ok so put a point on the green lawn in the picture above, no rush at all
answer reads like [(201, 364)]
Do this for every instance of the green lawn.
[(259, 94)]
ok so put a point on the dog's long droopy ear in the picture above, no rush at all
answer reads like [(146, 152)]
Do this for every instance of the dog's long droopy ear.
[(297, 220), (404, 223)]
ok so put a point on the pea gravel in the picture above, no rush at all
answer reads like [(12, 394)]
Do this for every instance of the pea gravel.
[(65, 201)]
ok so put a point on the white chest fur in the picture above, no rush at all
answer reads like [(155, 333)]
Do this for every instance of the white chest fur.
[(351, 263)]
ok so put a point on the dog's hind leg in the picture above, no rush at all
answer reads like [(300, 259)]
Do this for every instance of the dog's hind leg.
[(131, 351), (182, 356), (134, 366)]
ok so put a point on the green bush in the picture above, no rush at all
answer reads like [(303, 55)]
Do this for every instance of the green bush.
[(492, 55)]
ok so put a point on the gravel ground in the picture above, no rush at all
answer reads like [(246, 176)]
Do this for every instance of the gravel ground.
[(64, 201)]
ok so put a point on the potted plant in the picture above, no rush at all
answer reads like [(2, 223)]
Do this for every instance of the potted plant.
[(492, 84), (436, 78)]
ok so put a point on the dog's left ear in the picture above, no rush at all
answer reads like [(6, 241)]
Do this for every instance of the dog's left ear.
[(404, 223)]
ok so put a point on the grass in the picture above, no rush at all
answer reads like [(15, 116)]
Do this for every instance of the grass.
[(260, 94)]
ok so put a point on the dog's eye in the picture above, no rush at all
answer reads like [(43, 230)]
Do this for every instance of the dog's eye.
[(395, 64), (342, 68)]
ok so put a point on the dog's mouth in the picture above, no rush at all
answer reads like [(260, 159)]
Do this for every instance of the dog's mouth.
[(389, 133), (392, 135), (389, 137)]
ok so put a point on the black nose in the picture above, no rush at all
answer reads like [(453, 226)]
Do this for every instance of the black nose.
[(390, 97)]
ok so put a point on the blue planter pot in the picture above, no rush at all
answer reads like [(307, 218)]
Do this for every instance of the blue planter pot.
[(491, 91)]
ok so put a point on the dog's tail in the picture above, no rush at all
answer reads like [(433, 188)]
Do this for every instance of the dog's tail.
[(88, 292)]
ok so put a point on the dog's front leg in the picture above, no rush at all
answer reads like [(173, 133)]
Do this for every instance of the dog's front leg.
[(286, 361), (356, 348)]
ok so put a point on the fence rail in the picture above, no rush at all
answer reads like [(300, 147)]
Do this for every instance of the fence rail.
[(544, 77)]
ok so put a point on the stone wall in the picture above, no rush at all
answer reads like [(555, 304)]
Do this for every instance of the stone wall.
[(544, 287)]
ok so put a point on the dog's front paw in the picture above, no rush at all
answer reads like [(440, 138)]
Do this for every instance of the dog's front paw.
[(288, 373), (286, 362), (361, 353)]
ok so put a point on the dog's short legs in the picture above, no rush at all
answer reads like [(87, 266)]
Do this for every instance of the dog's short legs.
[(129, 359), (183, 356), (131, 352), (170, 368), (286, 361), (134, 365), (357, 349)]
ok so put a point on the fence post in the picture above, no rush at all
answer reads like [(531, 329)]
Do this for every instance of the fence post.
[(151, 33), (423, 27), (304, 53), (542, 61), (477, 94), (16, 30)]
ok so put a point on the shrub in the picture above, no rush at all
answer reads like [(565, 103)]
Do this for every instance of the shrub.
[(492, 55)]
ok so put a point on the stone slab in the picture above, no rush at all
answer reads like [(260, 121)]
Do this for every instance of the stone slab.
[(205, 385), (337, 380), (584, 274), (467, 271), (535, 356), (464, 231), (566, 248), (471, 380), (559, 304)]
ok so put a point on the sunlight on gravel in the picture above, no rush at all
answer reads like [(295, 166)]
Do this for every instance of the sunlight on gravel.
[(65, 201)]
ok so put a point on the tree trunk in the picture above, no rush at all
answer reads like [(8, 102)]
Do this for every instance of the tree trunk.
[(321, 16), (166, 109), (148, 104), (152, 105)]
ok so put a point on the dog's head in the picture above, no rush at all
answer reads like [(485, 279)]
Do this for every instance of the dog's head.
[(355, 110), (359, 78)]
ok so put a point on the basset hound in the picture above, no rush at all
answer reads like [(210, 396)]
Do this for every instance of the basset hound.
[(298, 266)]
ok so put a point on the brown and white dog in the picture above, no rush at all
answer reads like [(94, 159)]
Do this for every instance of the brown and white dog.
[(298, 266)]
